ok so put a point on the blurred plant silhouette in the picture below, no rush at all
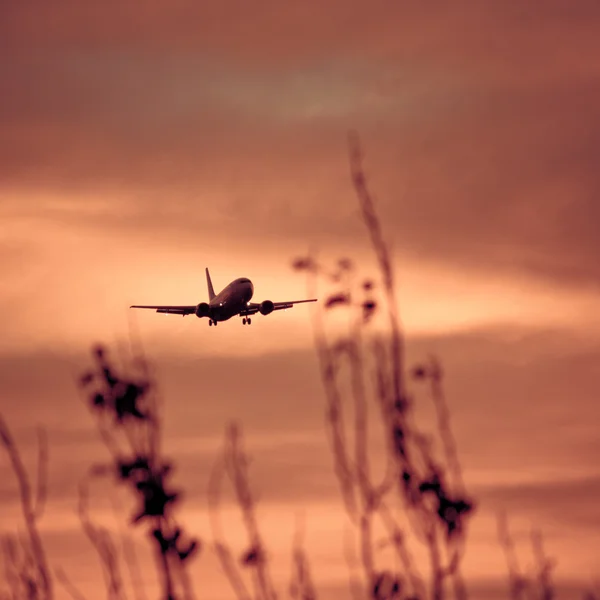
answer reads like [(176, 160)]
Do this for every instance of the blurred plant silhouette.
[(428, 485), (26, 570), (234, 465), (126, 411), (539, 584)]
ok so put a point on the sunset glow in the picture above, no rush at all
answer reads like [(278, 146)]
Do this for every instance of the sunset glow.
[(141, 143)]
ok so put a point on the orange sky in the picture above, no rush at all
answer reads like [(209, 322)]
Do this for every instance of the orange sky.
[(141, 143)]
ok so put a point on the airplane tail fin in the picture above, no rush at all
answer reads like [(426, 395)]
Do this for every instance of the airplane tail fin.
[(211, 291)]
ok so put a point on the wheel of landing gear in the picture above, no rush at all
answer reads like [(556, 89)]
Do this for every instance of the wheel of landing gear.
[(209, 322), (244, 321), (249, 320)]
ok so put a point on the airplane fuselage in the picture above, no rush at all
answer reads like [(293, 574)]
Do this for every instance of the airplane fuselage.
[(231, 300)]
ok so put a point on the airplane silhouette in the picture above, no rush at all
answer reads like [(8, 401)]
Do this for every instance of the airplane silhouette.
[(232, 300)]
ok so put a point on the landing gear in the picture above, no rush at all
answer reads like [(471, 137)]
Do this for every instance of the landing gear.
[(211, 322), (246, 320)]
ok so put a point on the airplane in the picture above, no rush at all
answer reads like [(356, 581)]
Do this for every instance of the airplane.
[(232, 300)]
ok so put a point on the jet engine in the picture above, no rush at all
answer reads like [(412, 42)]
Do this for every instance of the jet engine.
[(266, 307), (203, 310)]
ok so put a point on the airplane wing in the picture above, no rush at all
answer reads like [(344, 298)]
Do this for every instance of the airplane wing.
[(171, 310), (254, 307)]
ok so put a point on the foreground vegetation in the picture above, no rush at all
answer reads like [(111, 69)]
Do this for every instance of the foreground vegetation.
[(368, 387)]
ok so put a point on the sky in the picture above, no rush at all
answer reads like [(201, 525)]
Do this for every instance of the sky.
[(143, 142)]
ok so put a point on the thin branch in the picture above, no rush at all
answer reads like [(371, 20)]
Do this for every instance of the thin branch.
[(134, 568), (11, 566), (302, 586), (334, 413), (353, 566), (444, 425), (518, 583), (155, 405), (28, 509), (224, 554), (42, 474), (371, 220), (236, 463), (128, 552), (70, 588), (102, 542), (544, 565), (397, 538)]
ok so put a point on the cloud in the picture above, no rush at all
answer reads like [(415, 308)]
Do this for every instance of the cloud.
[(484, 176), (521, 403), (567, 502)]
